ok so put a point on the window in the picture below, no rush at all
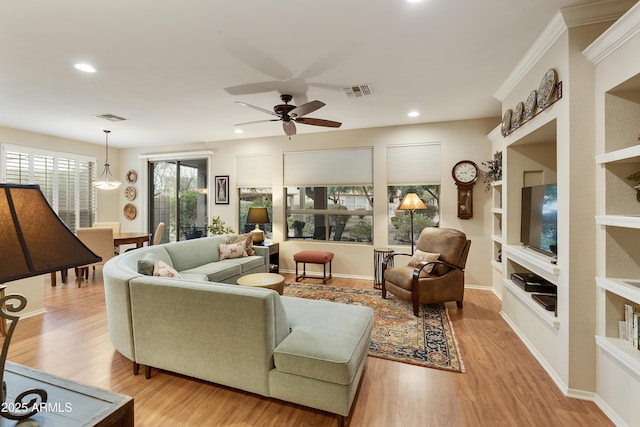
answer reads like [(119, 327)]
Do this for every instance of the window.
[(251, 197), (341, 214), (254, 189), (179, 197), (329, 195), (65, 180), (412, 169)]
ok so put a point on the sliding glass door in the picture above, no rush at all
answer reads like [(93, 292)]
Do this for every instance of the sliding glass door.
[(178, 190)]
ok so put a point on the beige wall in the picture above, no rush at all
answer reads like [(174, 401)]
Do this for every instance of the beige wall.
[(460, 140)]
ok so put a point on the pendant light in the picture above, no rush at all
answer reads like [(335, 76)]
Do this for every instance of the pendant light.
[(106, 181)]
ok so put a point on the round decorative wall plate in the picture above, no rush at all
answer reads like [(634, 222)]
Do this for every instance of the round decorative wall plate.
[(506, 122), (130, 211), (547, 87), (530, 105), (516, 117), (132, 176), (130, 193)]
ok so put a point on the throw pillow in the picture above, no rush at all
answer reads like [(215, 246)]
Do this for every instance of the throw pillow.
[(421, 256), (146, 265), (247, 238), (232, 250), (162, 269)]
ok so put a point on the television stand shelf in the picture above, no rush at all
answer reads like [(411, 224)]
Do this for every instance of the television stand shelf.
[(534, 261)]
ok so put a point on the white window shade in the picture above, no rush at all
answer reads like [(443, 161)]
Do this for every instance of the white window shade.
[(413, 164), (254, 171), (329, 167)]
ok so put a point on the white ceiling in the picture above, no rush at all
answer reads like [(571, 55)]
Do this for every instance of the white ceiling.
[(167, 66)]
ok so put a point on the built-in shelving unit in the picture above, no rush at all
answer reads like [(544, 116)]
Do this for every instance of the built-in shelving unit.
[(617, 83)]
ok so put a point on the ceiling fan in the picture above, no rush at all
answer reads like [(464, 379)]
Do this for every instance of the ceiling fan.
[(290, 115)]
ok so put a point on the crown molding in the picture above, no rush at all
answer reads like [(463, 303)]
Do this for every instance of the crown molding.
[(564, 19), (615, 36)]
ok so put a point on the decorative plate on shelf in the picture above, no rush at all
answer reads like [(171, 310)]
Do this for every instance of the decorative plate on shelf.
[(516, 117), (130, 211), (547, 87), (530, 105), (130, 193), (132, 176), (506, 122)]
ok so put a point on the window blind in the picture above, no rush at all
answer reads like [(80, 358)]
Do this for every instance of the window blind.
[(64, 179), (413, 164), (352, 166)]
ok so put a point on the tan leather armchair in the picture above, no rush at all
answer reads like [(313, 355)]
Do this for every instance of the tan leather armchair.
[(433, 281)]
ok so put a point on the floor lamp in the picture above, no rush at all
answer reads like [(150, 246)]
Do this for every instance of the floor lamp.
[(411, 203), (34, 241)]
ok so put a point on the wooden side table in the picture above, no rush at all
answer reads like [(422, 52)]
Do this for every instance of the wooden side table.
[(274, 255)]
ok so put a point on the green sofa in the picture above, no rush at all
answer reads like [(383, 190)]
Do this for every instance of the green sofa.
[(307, 352)]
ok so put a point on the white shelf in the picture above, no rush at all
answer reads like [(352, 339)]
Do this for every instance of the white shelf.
[(626, 288), (622, 351), (535, 262), (628, 155), (496, 238), (496, 183), (496, 210), (546, 316), (626, 221), (496, 265)]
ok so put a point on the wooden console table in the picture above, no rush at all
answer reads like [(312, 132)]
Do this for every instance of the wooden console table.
[(69, 404)]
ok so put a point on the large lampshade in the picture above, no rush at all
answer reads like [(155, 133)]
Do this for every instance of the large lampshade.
[(258, 216), (34, 240), (411, 202)]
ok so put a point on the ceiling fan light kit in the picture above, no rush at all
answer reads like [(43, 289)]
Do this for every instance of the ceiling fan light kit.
[(289, 115)]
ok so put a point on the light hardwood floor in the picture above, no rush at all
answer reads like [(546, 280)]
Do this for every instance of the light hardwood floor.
[(503, 384)]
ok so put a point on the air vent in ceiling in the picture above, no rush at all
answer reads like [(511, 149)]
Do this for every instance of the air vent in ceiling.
[(111, 117), (358, 91)]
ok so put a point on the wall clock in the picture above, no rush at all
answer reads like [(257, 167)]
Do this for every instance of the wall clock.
[(465, 174)]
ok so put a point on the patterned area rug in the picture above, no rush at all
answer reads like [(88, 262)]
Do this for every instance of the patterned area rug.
[(427, 340)]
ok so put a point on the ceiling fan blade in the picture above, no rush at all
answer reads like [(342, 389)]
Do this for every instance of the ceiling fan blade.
[(251, 88), (257, 121), (264, 110), (318, 122), (304, 109), (289, 128)]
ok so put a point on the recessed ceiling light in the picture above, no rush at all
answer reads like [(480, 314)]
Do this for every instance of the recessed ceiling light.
[(238, 131), (413, 114), (414, 1), (85, 67)]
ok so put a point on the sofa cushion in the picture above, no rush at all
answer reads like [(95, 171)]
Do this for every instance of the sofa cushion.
[(247, 238), (187, 254), (162, 269), (327, 341), (246, 263), (146, 264), (232, 250), (216, 271), (420, 257)]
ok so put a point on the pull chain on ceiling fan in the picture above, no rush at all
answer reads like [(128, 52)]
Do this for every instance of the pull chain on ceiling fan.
[(290, 115)]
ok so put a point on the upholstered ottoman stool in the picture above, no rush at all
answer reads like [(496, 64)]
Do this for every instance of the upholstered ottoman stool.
[(313, 257)]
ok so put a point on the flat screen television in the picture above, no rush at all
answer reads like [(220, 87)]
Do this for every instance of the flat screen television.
[(539, 221)]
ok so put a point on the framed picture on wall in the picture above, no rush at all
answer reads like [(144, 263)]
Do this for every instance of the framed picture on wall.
[(222, 190)]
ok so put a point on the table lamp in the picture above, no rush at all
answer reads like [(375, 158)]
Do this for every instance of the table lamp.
[(33, 241), (257, 216), (411, 203)]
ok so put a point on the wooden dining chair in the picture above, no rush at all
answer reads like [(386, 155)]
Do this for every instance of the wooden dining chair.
[(100, 241), (157, 235)]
